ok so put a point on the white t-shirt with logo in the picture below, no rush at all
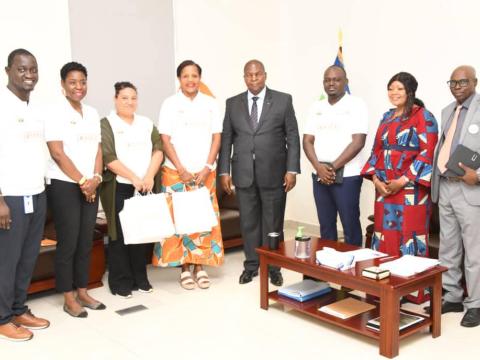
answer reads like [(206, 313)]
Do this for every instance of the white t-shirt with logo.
[(80, 136), (23, 154), (333, 127), (133, 144), (190, 124)]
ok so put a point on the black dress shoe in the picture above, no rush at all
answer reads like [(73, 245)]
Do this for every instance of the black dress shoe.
[(247, 276), (276, 278), (448, 307), (471, 318)]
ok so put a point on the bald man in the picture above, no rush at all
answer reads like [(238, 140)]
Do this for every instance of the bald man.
[(261, 127), (458, 198)]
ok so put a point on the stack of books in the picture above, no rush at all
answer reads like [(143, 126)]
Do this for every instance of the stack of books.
[(375, 272), (305, 290), (406, 320), (347, 308)]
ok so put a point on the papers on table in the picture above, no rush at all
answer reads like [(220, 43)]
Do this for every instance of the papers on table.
[(345, 260), (305, 290), (409, 265)]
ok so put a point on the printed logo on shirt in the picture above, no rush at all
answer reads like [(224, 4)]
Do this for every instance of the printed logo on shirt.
[(87, 138), (32, 135)]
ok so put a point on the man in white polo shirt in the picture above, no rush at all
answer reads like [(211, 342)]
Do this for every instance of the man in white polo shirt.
[(334, 136), (22, 196)]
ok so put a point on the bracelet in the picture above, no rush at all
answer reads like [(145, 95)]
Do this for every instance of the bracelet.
[(82, 181), (209, 166), (98, 176)]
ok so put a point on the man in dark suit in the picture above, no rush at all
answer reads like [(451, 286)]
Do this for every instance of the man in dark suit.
[(261, 126)]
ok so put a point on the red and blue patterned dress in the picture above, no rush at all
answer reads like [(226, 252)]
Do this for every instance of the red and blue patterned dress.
[(403, 146)]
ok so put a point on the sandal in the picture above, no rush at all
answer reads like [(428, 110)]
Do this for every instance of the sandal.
[(201, 277), (186, 280)]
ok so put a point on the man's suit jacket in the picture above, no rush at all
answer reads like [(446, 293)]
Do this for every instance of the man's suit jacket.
[(472, 141), (264, 154)]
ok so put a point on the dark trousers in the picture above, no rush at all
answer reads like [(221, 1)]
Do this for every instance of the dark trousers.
[(262, 210), (127, 264), (342, 199), (74, 220), (19, 247)]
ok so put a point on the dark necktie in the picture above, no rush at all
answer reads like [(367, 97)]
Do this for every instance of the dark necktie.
[(254, 113)]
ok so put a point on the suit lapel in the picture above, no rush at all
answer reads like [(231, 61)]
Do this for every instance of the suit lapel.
[(267, 105), (471, 111), (244, 98), (450, 112)]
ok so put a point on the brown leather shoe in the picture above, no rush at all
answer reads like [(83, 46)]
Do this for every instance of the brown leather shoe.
[(30, 321), (12, 332)]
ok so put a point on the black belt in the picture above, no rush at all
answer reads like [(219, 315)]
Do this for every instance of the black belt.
[(451, 178)]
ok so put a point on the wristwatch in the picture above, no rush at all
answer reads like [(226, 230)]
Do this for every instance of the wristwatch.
[(478, 176), (82, 181)]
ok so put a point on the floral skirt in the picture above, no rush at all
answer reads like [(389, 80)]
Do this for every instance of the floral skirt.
[(204, 248)]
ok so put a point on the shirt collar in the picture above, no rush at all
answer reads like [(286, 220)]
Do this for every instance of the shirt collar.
[(260, 95), (114, 115), (183, 97), (14, 97)]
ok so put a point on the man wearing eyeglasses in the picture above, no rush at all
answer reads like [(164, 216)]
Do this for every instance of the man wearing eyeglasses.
[(458, 198)]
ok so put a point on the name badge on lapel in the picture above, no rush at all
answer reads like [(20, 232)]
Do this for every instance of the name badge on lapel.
[(473, 129)]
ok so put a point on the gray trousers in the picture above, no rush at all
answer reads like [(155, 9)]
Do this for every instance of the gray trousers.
[(19, 248), (459, 237)]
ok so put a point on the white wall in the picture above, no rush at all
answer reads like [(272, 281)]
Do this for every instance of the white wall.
[(297, 40), (42, 27), (125, 40)]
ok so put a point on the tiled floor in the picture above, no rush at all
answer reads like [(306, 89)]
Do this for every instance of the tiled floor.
[(224, 322)]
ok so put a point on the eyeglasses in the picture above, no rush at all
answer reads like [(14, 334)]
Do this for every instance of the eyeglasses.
[(462, 83)]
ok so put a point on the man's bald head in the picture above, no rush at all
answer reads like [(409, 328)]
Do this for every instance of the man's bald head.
[(463, 82), (254, 62)]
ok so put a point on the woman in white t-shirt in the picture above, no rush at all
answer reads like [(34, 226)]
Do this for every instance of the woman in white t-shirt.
[(132, 156), (72, 132), (190, 126)]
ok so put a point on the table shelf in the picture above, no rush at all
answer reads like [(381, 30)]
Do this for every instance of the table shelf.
[(356, 323)]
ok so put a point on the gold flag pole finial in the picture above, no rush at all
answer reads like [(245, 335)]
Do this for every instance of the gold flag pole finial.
[(340, 37)]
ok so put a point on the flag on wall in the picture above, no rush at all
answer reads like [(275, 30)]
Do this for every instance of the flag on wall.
[(203, 88), (339, 59)]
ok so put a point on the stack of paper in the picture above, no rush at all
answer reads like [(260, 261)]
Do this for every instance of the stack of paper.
[(335, 259), (347, 308), (305, 290), (347, 259), (409, 265)]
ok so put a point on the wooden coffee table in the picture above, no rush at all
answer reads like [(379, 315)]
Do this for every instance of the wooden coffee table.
[(387, 292)]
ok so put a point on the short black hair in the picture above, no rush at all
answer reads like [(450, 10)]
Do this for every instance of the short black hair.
[(119, 86), (186, 63), (17, 52), (72, 66), (341, 68)]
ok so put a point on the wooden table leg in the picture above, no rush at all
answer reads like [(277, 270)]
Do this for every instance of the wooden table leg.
[(263, 283), (389, 322), (436, 306)]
